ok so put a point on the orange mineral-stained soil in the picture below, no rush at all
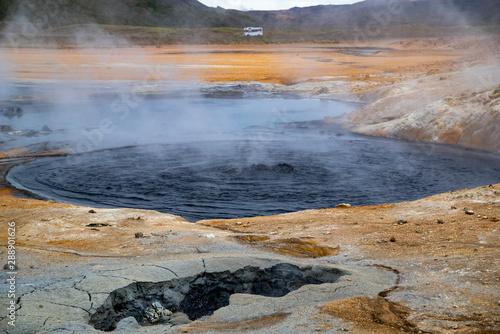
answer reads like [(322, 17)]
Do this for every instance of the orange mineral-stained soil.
[(283, 64), (445, 248)]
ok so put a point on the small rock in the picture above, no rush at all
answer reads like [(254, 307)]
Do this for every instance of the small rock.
[(180, 318), (469, 212), (402, 221), (326, 232), (453, 207), (485, 217), (382, 241), (239, 223), (273, 233), (155, 313), (12, 112), (139, 235), (418, 231), (495, 94), (91, 211), (323, 90), (6, 128), (392, 239), (45, 130), (97, 225), (440, 221), (343, 205), (127, 325)]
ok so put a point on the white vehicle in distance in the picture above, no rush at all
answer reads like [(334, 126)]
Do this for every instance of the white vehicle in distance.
[(253, 31)]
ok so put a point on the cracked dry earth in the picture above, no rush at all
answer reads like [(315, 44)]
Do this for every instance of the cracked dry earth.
[(428, 266), (445, 256)]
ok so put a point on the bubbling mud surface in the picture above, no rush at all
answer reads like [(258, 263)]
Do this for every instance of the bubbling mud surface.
[(219, 154), (290, 167)]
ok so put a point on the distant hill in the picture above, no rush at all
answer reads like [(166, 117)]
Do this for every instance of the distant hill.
[(148, 13), (192, 13), (373, 13), (159, 22), (5, 5)]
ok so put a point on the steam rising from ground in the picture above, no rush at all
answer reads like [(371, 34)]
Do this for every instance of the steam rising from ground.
[(90, 115), (5, 73), (71, 106)]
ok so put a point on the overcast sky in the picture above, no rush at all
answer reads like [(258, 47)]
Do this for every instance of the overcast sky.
[(271, 4)]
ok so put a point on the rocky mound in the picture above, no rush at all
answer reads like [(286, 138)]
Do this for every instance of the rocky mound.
[(458, 108)]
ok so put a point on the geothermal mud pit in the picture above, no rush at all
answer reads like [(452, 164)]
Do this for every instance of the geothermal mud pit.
[(218, 158), (205, 293)]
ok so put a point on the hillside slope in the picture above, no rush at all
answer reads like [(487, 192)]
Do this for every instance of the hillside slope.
[(375, 14), (369, 15), (152, 13)]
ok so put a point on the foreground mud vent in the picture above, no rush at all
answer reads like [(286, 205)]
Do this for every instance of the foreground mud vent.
[(204, 291), (202, 294)]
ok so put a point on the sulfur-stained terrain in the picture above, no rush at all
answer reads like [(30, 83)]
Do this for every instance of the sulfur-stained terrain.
[(428, 266)]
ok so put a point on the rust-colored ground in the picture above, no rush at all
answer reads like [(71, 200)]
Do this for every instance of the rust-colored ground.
[(447, 259), (269, 63), (445, 256)]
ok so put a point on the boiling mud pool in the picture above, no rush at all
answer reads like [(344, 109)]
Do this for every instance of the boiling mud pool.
[(204, 158)]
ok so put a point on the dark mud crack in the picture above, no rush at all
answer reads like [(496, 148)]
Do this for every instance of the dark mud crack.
[(392, 308), (204, 293)]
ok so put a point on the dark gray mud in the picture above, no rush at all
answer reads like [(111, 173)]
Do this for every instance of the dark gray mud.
[(317, 167), (227, 157)]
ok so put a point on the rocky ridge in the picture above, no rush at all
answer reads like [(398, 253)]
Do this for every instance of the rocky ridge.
[(459, 108)]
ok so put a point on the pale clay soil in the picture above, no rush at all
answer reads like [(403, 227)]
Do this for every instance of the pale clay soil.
[(439, 90)]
